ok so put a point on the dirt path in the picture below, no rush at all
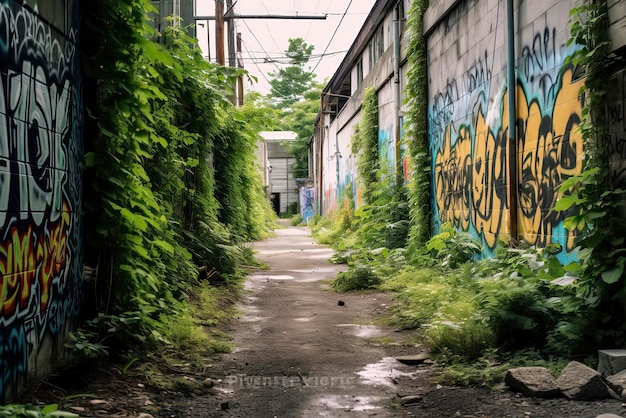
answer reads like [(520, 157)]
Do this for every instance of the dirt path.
[(300, 352)]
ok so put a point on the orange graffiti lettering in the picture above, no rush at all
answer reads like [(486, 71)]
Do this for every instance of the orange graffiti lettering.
[(22, 261)]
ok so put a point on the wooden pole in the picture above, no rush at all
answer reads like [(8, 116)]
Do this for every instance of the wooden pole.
[(231, 35), (219, 32), (240, 78)]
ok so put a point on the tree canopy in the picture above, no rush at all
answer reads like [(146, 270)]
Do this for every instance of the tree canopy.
[(289, 84)]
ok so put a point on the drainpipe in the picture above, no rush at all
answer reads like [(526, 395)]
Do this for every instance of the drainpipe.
[(511, 86), (337, 157), (396, 90)]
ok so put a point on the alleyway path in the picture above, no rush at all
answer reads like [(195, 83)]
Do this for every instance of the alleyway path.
[(298, 351)]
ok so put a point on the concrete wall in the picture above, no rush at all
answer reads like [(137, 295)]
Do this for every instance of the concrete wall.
[(468, 126), (338, 165), (41, 121)]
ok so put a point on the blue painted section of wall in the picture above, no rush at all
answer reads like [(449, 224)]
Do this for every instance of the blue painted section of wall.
[(307, 203)]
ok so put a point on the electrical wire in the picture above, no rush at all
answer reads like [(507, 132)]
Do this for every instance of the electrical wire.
[(255, 63), (280, 56), (259, 42), (332, 37)]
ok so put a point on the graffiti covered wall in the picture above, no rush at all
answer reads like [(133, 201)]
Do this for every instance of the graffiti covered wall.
[(40, 186), (338, 167), (468, 122)]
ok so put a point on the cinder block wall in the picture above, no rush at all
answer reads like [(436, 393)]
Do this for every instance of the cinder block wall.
[(468, 119), (41, 120)]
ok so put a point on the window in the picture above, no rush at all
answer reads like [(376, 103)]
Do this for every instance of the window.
[(359, 73), (376, 46), (402, 15)]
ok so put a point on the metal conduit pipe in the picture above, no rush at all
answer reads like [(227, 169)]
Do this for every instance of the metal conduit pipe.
[(511, 87), (396, 90)]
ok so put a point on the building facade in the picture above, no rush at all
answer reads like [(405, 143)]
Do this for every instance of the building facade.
[(282, 188), (375, 60), (484, 182)]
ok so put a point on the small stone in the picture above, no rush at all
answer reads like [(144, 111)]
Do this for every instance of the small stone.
[(608, 416), (611, 362), (341, 303), (224, 406), (141, 385), (77, 408), (410, 400), (413, 359), (536, 382), (144, 415), (98, 404), (618, 382)]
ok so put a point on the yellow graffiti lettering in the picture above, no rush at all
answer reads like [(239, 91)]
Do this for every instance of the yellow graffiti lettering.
[(18, 271), (551, 152), (473, 180), (51, 255), (22, 261)]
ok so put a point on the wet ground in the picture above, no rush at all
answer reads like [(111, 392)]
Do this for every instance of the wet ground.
[(303, 350)]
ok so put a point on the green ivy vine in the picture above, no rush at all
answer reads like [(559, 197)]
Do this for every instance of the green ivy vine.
[(597, 205), (416, 134), (364, 144), (382, 217)]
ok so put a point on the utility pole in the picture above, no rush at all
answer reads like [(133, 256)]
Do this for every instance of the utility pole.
[(219, 32), (240, 78), (231, 33)]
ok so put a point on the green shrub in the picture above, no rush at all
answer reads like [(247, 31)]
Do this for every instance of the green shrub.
[(452, 248), (358, 278)]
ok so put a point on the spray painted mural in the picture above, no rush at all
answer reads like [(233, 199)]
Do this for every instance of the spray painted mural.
[(40, 187), (468, 133), (307, 203)]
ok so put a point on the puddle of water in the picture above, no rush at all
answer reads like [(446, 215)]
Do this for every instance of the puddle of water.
[(364, 331), (251, 285), (294, 250), (317, 270), (349, 403), (271, 277), (324, 256), (383, 372)]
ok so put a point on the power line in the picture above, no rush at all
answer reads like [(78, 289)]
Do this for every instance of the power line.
[(280, 56), (259, 42), (332, 37), (260, 71)]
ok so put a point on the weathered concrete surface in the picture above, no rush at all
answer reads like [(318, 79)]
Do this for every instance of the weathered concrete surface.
[(298, 352)]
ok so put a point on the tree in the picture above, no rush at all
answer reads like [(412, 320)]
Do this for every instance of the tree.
[(301, 120), (289, 84)]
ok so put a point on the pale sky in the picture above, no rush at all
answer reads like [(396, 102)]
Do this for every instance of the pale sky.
[(267, 39)]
